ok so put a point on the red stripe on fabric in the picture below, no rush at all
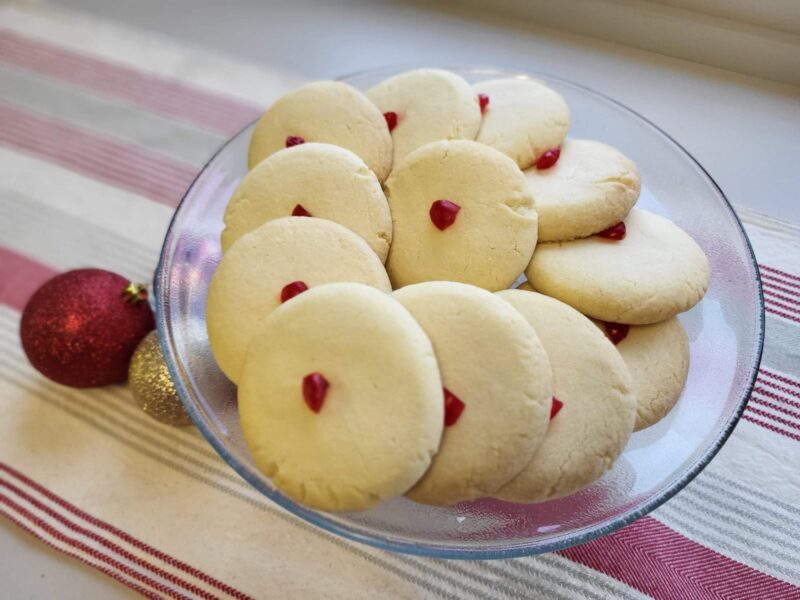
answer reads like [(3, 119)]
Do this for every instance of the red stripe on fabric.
[(771, 427), (772, 417), (778, 283), (111, 546), (769, 292), (790, 276), (171, 98), (20, 277), (768, 299), (46, 527), (779, 313), (115, 162), (776, 397), (113, 574), (757, 400), (123, 535), (775, 386), (659, 561), (781, 378)]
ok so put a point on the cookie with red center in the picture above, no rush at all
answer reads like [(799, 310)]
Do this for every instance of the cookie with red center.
[(317, 180), (525, 120), (430, 105), (340, 398), (658, 358), (330, 112), (597, 410), (653, 273), (591, 188), (498, 389), (461, 212), (277, 263)]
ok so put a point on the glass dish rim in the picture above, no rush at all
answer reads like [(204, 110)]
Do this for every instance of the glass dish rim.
[(434, 550)]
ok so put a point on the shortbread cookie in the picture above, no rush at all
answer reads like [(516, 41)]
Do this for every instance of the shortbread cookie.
[(658, 358), (272, 264), (340, 398), (654, 273), (427, 105), (319, 180), (591, 187), (594, 407), (461, 212), (331, 112), (523, 118), (498, 383)]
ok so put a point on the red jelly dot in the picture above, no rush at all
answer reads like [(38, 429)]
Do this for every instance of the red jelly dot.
[(555, 407), (453, 407), (299, 211), (315, 388), (616, 332), (615, 232), (548, 159), (483, 100), (391, 119), (290, 290), (294, 140), (443, 213)]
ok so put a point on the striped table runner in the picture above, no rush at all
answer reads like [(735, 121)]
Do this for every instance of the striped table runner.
[(101, 130)]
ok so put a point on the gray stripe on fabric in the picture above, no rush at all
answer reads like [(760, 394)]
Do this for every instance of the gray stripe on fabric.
[(782, 353), (726, 542), (739, 537), (780, 510), (35, 229), (710, 502), (112, 118)]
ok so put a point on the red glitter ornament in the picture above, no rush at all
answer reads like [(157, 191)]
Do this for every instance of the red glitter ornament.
[(81, 327)]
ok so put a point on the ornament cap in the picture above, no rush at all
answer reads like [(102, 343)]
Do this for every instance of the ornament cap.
[(135, 292)]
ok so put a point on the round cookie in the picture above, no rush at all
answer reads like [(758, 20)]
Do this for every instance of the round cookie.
[(658, 359), (493, 362), (492, 234), (524, 118), (376, 420), (598, 409), (431, 105), (249, 281), (325, 111), (592, 187), (326, 181), (654, 273)]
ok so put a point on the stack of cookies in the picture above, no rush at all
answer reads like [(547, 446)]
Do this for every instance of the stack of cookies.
[(362, 303)]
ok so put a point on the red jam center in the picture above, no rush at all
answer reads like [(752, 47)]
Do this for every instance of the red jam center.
[(616, 332), (555, 407), (548, 159), (483, 100), (443, 213), (294, 140), (453, 407), (290, 290), (616, 232), (299, 211), (391, 119), (315, 388)]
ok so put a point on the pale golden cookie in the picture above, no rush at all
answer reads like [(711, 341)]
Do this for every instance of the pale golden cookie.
[(331, 112), (598, 409), (493, 363), (284, 253), (340, 398)]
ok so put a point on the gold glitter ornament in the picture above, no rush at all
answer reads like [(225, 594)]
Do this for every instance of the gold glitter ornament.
[(151, 385)]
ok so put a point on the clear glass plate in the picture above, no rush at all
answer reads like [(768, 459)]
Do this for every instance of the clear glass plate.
[(725, 332)]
